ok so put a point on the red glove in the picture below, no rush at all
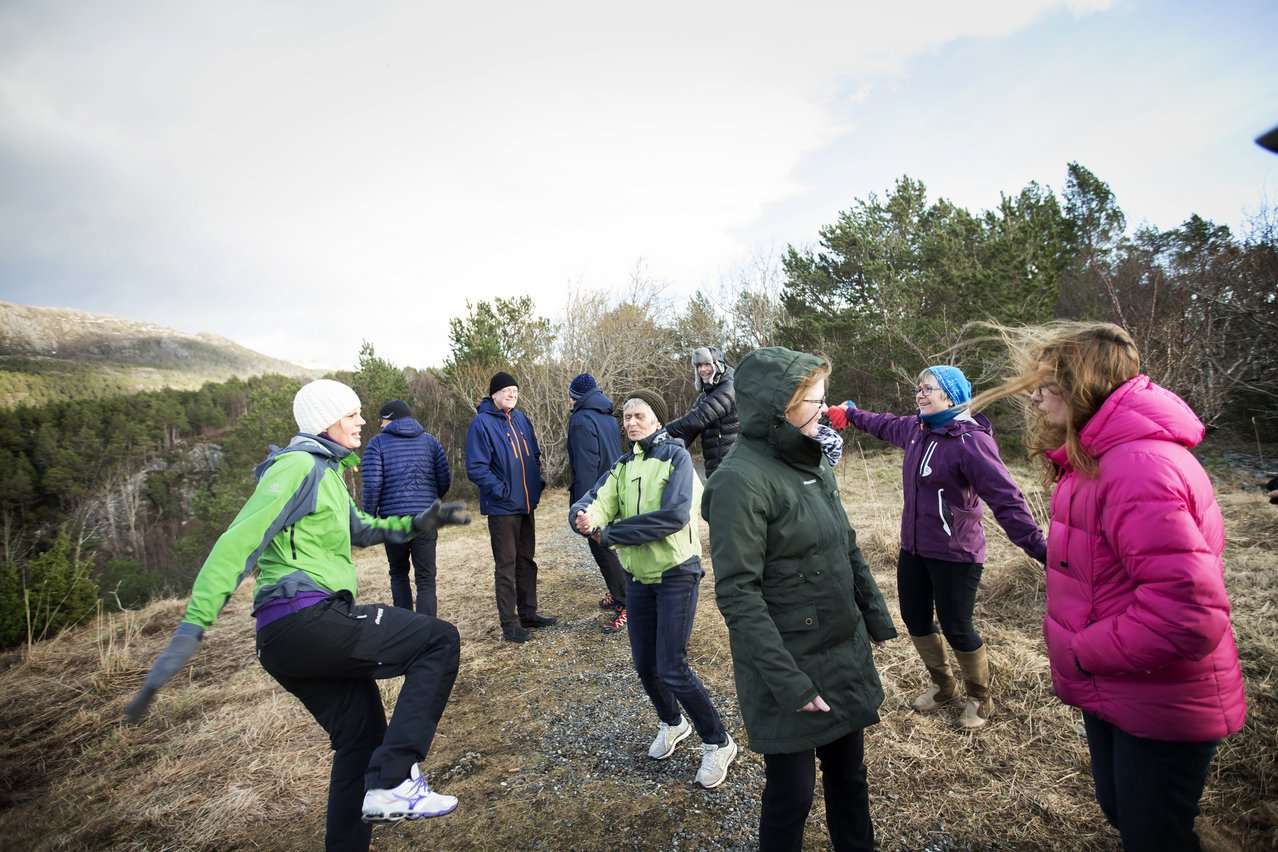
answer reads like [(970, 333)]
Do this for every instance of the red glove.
[(838, 417)]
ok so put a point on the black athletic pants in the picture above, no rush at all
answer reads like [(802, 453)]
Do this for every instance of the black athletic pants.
[(790, 780), (422, 551), (950, 587), (329, 655), (1148, 789)]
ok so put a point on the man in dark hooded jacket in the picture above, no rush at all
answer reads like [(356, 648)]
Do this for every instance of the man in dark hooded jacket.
[(594, 443), (403, 471), (714, 416)]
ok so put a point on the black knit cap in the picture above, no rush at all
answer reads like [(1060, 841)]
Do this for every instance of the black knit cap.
[(394, 410), (654, 400), (499, 381)]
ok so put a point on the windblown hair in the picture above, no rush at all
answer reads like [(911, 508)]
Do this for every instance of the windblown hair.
[(1086, 361), (800, 393)]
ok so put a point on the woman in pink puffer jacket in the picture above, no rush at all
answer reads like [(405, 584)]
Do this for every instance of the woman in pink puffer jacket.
[(1137, 624)]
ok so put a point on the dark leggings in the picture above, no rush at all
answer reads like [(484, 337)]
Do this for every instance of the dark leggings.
[(924, 584)]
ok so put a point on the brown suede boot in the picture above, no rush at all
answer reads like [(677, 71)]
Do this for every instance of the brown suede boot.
[(976, 681), (932, 649)]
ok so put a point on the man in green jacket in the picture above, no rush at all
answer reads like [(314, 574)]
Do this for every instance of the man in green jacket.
[(296, 531), (645, 507), (800, 602)]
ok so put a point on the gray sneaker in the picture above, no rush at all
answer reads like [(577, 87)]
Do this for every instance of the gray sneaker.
[(714, 763), (669, 736)]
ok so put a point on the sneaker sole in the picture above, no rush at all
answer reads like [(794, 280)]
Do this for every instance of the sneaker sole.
[(724, 776), (687, 733), (400, 817)]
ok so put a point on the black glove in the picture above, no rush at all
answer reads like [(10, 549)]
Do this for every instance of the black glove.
[(438, 515), (174, 658)]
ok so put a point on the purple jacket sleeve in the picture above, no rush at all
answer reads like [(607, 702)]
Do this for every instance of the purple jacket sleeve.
[(892, 428), (984, 468)]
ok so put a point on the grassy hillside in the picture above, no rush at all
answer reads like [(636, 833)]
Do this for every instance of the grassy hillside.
[(545, 744), (50, 354)]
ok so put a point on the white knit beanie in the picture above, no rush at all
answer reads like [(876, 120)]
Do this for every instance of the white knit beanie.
[(322, 403)]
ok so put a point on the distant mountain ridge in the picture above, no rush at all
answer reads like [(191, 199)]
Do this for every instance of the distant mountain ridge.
[(59, 353)]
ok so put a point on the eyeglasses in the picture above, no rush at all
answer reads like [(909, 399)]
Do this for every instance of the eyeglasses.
[(820, 401), (925, 390)]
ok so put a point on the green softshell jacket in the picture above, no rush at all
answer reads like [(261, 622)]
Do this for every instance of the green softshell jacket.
[(646, 508), (297, 528), (798, 597)]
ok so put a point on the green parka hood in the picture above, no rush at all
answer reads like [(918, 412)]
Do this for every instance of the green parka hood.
[(766, 380)]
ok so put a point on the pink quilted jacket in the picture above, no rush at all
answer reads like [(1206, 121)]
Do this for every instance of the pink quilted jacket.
[(1137, 623)]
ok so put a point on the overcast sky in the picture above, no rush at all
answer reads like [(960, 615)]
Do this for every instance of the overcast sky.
[(302, 176)]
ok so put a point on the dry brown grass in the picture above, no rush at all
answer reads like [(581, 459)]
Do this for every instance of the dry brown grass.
[(544, 743)]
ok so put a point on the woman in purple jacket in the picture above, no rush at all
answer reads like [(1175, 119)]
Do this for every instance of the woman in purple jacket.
[(951, 464)]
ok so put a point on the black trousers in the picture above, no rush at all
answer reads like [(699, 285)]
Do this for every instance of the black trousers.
[(950, 587), (790, 780), (1148, 789), (329, 655), (614, 576), (422, 551), (514, 541)]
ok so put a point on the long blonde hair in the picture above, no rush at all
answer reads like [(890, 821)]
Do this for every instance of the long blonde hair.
[(821, 371), (1087, 361)]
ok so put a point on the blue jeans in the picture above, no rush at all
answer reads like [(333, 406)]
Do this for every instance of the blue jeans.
[(661, 616)]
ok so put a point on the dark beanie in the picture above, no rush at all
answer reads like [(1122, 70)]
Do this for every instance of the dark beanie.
[(499, 381), (654, 400), (394, 410), (583, 384)]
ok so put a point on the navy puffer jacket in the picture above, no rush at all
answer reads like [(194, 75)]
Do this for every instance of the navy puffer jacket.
[(404, 470)]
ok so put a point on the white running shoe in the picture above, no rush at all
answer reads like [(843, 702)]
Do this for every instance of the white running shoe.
[(714, 763), (412, 799), (667, 738)]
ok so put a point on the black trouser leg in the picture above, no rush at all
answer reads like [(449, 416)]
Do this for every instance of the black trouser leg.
[(1148, 789), (954, 587), (526, 567), (401, 590), (914, 593), (503, 534), (614, 575), (847, 793), (423, 549), (789, 782)]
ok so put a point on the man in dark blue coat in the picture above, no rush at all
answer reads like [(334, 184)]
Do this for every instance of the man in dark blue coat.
[(504, 461), (403, 471), (594, 443)]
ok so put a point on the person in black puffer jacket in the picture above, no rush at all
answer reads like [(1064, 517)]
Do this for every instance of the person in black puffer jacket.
[(714, 416)]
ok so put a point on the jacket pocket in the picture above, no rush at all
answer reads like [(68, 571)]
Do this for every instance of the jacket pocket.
[(796, 619)]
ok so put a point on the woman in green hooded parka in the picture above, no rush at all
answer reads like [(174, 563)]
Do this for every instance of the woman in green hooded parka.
[(800, 602)]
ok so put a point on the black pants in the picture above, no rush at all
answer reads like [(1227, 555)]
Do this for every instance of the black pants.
[(1148, 789), (787, 796), (328, 655), (614, 575), (514, 540), (950, 587), (422, 550)]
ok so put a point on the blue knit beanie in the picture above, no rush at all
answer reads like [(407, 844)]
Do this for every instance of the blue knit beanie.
[(953, 382), (583, 384)]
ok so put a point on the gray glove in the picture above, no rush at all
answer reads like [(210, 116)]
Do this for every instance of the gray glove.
[(438, 515), (174, 658)]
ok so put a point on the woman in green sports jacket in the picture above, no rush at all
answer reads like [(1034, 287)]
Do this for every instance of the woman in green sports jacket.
[(645, 507), (296, 530), (800, 602)]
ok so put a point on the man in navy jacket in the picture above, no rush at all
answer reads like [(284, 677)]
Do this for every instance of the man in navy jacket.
[(504, 461), (594, 443), (403, 471)]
